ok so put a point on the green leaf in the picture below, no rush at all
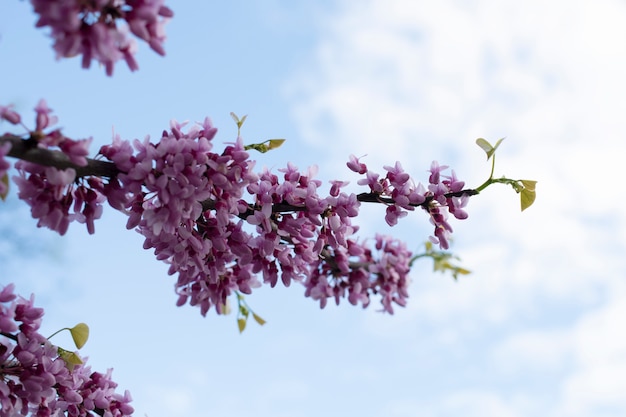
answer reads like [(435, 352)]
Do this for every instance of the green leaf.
[(241, 323), (456, 270), (265, 146), (71, 359), (487, 147), (258, 319), (495, 147), (529, 184), (80, 334), (5, 181), (484, 145), (527, 194), (275, 143), (238, 121), (527, 198)]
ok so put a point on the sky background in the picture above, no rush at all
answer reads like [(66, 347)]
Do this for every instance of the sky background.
[(536, 329)]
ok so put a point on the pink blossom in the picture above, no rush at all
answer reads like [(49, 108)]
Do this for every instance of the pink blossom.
[(35, 380), (355, 165), (336, 186), (44, 117), (453, 183), (393, 213), (7, 113), (401, 194), (52, 193), (76, 150), (92, 29), (435, 172), (373, 181)]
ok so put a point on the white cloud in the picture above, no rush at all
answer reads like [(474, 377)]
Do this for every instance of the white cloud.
[(600, 349), (541, 350)]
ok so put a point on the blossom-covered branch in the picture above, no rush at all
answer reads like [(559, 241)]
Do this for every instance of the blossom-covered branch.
[(27, 150), (223, 227), (36, 377)]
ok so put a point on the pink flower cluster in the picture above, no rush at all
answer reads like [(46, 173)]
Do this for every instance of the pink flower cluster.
[(222, 227), (90, 28), (401, 194), (35, 380), (189, 204), (56, 196)]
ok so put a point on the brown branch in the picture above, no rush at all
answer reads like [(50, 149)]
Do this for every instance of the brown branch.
[(27, 150), (376, 198), (363, 197), (9, 336)]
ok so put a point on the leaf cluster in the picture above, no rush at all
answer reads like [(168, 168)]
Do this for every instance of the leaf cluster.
[(243, 313), (442, 261), (80, 335), (262, 147)]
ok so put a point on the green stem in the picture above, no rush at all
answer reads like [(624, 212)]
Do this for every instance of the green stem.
[(418, 256), (490, 179), (57, 332)]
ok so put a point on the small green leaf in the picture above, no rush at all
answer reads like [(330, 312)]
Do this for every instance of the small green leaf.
[(527, 198), (266, 146), (71, 359), (258, 319), (484, 145), (5, 181), (238, 121), (244, 310), (80, 334), (241, 323), (275, 143), (529, 184), (495, 147), (487, 147), (456, 270)]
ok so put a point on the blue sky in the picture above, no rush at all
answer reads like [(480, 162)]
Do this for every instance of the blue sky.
[(535, 330)]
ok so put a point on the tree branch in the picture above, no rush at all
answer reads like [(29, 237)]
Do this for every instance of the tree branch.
[(27, 150)]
